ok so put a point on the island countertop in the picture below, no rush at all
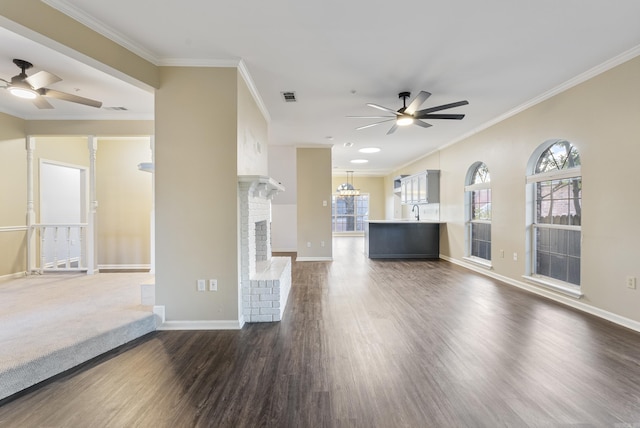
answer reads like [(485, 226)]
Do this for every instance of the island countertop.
[(404, 221)]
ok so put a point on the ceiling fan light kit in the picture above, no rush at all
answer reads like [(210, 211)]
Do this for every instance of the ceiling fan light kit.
[(20, 91), (33, 88), (409, 114)]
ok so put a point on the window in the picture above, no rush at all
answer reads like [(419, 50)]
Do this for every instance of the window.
[(478, 212), (349, 213), (556, 212)]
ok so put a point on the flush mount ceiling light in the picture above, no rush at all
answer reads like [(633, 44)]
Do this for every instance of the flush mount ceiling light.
[(358, 161), (369, 150)]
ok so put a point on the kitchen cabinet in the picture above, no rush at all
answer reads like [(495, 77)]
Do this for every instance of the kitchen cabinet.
[(420, 188), (402, 239)]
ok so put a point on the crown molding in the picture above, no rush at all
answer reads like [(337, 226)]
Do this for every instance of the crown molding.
[(98, 26)]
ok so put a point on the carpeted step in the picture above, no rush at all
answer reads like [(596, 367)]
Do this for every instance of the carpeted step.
[(53, 359)]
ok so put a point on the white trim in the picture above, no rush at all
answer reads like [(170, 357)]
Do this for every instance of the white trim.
[(284, 250), (14, 228), (101, 28), (125, 267), (477, 186), (159, 312), (244, 72), (201, 325), (554, 285), (314, 259), (557, 226), (478, 261), (559, 174), (200, 62), (576, 304), (12, 276)]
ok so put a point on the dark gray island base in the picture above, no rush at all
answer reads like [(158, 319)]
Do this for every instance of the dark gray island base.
[(402, 240)]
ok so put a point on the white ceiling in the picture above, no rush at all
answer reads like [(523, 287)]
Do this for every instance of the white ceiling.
[(340, 55)]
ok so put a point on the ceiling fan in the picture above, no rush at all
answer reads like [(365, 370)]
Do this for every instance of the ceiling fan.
[(33, 87), (409, 114)]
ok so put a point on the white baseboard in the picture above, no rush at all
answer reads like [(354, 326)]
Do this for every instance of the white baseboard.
[(201, 325), (124, 267), (314, 259), (13, 276), (601, 313)]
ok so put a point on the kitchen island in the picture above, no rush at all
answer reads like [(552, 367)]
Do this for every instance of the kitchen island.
[(402, 239)]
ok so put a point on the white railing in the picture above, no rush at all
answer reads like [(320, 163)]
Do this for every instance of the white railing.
[(62, 247)]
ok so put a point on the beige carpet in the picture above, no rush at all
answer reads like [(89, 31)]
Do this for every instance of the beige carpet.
[(53, 322)]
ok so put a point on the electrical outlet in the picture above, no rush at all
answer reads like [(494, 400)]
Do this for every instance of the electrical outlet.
[(213, 285), (515, 257), (324, 203), (631, 282), (201, 286), (322, 243), (308, 244)]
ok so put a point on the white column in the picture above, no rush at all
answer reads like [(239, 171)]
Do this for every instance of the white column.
[(31, 214), (152, 219), (92, 232)]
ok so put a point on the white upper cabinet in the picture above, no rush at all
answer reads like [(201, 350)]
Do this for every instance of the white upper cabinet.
[(421, 188)]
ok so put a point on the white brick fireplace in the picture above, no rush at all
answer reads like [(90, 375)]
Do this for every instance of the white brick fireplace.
[(265, 280)]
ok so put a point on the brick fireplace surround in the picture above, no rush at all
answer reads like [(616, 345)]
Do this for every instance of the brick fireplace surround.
[(265, 280)]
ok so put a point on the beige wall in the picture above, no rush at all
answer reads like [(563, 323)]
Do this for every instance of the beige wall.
[(600, 117), (13, 194), (103, 128), (196, 192), (314, 203), (124, 196), (284, 208), (374, 186)]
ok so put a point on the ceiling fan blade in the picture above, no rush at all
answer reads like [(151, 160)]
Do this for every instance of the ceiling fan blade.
[(442, 107), (70, 97), (417, 102), (421, 123), (42, 79), (41, 103), (440, 116), (370, 117), (384, 109), (374, 124), (393, 129)]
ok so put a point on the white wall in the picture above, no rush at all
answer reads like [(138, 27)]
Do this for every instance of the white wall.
[(284, 211)]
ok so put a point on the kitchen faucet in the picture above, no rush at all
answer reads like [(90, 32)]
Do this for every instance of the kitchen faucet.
[(417, 212)]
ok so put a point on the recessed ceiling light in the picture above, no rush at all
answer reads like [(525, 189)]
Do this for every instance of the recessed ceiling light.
[(359, 161), (369, 150), (348, 144)]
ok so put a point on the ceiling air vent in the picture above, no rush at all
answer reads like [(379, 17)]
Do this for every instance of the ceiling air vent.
[(289, 97), (116, 108)]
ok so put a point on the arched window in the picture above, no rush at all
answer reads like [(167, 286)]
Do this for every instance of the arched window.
[(478, 212), (555, 207)]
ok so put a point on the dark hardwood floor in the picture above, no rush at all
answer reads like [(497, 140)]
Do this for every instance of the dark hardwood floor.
[(364, 344)]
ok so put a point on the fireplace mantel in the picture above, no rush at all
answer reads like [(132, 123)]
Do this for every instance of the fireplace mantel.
[(261, 186)]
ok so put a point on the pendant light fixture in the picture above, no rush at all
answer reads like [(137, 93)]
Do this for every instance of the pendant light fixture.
[(347, 189)]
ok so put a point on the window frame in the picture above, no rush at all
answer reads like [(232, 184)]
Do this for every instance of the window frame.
[(355, 215), (532, 179), (469, 188)]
